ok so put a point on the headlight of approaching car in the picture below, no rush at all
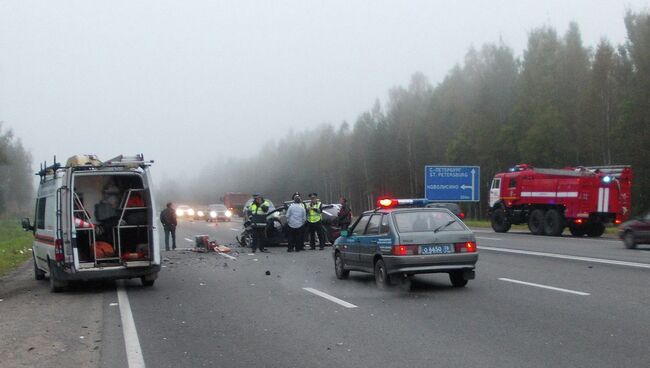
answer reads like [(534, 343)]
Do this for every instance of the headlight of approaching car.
[(213, 214), (190, 212), (200, 214), (228, 213), (179, 213)]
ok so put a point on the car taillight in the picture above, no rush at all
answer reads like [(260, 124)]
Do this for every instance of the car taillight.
[(404, 250), (578, 221), (466, 247), (461, 215), (617, 221), (58, 251)]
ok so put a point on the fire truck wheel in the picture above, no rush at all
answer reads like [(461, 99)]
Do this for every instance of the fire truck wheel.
[(595, 230), (498, 220), (577, 231), (536, 222), (553, 223)]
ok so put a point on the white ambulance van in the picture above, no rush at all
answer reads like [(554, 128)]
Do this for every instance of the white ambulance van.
[(95, 220)]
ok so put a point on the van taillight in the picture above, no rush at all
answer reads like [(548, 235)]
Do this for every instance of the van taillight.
[(404, 250), (467, 247), (59, 257)]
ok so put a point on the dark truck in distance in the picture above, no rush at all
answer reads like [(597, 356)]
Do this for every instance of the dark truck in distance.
[(236, 202)]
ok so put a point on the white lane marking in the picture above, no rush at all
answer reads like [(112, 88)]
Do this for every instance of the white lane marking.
[(486, 238), (234, 229), (545, 286), (189, 240), (131, 342), (330, 298), (227, 255), (564, 256)]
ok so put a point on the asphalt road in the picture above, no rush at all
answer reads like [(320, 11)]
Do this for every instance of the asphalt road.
[(527, 307)]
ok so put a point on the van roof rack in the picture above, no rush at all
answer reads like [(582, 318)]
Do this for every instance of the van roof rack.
[(118, 161)]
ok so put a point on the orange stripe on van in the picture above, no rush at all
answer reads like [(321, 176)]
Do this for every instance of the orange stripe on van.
[(49, 240)]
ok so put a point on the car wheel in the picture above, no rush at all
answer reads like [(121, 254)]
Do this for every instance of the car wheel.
[(499, 220), (38, 273), (628, 240), (595, 230), (339, 267), (553, 223), (536, 222), (382, 278), (457, 279)]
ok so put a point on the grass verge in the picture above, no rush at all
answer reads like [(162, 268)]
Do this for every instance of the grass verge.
[(486, 223), (15, 245)]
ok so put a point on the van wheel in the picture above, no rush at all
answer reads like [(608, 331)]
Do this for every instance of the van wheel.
[(536, 222), (149, 279), (38, 273), (56, 285), (553, 223), (457, 279), (499, 220), (382, 278)]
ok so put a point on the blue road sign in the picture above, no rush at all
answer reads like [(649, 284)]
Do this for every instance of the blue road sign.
[(452, 183)]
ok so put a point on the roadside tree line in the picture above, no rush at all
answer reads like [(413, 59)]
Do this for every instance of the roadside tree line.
[(15, 175), (560, 103)]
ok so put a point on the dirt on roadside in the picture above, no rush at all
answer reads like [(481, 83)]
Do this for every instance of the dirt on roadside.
[(44, 329)]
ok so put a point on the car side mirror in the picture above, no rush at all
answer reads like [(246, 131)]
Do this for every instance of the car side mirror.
[(344, 233), (27, 226)]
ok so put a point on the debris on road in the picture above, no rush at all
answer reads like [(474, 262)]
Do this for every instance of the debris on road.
[(268, 273)]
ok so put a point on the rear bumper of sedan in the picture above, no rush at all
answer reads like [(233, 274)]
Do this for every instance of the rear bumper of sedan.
[(430, 263)]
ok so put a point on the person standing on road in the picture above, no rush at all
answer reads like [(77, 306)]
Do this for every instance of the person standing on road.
[(314, 223), (258, 211), (169, 222), (344, 216), (296, 218)]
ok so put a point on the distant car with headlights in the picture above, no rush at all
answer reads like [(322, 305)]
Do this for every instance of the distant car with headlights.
[(635, 231), (200, 214), (402, 238), (184, 212), (218, 212)]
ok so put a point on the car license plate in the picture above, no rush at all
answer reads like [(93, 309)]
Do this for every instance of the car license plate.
[(436, 249)]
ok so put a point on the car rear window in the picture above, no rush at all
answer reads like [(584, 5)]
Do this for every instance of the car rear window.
[(419, 221)]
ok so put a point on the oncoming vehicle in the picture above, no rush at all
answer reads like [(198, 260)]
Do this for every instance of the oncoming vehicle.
[(635, 231), (95, 220), (218, 212), (184, 212), (397, 240)]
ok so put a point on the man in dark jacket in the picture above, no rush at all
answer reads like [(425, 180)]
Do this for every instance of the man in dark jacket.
[(345, 215), (168, 220)]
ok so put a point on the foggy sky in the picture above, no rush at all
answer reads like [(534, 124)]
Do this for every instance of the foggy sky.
[(187, 81)]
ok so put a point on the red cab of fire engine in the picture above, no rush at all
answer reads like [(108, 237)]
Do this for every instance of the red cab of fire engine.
[(584, 199)]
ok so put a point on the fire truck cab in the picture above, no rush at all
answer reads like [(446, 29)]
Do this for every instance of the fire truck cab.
[(584, 199)]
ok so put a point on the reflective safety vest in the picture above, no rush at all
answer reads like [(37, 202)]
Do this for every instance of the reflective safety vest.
[(312, 214), (258, 210)]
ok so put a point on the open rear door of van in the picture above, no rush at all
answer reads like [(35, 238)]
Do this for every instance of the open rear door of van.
[(154, 244)]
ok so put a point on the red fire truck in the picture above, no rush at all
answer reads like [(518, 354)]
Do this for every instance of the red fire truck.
[(584, 199)]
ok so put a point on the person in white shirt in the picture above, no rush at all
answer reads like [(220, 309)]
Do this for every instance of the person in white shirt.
[(296, 218)]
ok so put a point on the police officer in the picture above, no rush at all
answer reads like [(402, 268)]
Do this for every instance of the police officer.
[(258, 211), (314, 223)]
